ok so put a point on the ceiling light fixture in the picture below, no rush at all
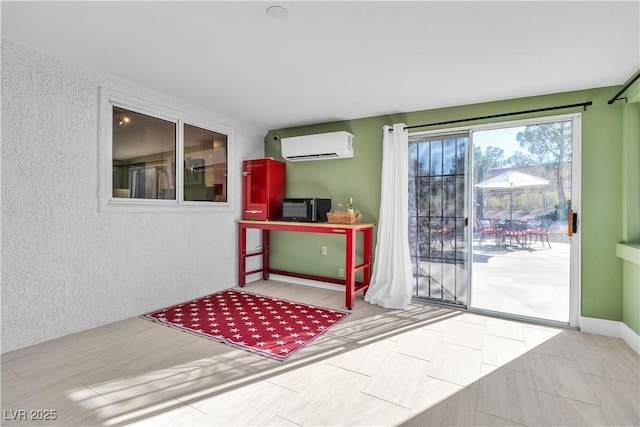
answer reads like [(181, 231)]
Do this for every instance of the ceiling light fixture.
[(121, 120), (277, 12)]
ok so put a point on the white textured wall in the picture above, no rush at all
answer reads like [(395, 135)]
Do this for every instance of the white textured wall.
[(67, 267)]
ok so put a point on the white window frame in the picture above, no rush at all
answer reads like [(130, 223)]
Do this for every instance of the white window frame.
[(107, 99)]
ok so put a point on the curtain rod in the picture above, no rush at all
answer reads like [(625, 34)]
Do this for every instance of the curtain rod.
[(559, 107), (629, 82)]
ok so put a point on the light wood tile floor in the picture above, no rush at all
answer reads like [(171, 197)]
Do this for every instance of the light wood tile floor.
[(422, 366)]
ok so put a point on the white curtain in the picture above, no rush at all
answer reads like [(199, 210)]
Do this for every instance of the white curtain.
[(392, 275)]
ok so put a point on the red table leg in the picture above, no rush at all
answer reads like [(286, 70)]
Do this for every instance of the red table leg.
[(366, 279), (242, 255), (265, 254), (350, 263)]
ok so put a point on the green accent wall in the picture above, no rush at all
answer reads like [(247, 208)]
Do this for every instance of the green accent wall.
[(631, 295), (601, 270), (631, 164), (602, 181), (631, 206)]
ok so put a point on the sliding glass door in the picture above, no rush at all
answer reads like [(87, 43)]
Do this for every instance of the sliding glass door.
[(524, 189), (489, 212)]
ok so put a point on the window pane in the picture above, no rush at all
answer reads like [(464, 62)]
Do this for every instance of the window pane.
[(449, 196), (413, 159), (205, 165), (461, 161), (413, 198), (449, 157), (422, 197), (436, 158), (423, 158), (144, 156), (435, 204)]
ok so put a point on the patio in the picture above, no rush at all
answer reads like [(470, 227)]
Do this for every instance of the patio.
[(524, 280), (531, 282)]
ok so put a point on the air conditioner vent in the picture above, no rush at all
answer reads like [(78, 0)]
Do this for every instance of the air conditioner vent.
[(322, 146)]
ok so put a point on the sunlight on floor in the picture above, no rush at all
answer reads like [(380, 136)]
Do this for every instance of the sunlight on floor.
[(419, 366), (395, 364)]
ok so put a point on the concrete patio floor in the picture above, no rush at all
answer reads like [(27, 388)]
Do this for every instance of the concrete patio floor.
[(532, 282)]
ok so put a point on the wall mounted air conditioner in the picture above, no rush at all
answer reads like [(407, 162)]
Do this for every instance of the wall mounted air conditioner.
[(322, 146)]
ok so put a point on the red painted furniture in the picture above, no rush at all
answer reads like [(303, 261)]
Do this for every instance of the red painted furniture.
[(349, 231), (263, 188)]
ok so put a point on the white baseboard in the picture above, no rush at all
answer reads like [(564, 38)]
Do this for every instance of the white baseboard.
[(306, 282), (611, 328), (593, 325), (630, 337)]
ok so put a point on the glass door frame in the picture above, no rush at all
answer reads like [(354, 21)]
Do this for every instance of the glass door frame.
[(576, 204), (575, 257), (434, 136)]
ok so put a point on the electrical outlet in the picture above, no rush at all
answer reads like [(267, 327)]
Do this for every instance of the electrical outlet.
[(323, 250), (341, 272)]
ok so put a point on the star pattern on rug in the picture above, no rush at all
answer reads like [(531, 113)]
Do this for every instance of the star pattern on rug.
[(273, 327)]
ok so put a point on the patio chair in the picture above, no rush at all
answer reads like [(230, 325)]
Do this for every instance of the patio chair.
[(438, 232), (539, 229), (487, 228), (516, 229)]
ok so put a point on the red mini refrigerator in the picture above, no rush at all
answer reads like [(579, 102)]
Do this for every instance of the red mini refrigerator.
[(263, 188)]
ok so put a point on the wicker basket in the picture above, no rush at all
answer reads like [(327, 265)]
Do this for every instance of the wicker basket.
[(344, 217)]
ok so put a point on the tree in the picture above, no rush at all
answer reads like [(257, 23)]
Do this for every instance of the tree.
[(550, 144), (520, 160), (492, 158)]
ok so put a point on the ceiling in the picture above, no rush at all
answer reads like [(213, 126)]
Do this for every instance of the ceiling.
[(334, 60)]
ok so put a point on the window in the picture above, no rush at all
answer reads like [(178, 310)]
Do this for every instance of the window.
[(205, 165), (144, 156), (141, 146)]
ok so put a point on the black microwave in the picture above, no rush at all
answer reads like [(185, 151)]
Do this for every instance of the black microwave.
[(305, 210)]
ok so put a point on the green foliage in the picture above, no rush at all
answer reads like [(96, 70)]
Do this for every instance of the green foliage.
[(551, 145), (557, 213), (520, 160), (524, 201)]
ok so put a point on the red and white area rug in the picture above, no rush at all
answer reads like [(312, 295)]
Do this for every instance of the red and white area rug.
[(272, 327)]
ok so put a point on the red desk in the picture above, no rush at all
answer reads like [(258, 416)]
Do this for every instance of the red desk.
[(349, 231)]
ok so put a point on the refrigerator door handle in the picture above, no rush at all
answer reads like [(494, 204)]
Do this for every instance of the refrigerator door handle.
[(245, 173)]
